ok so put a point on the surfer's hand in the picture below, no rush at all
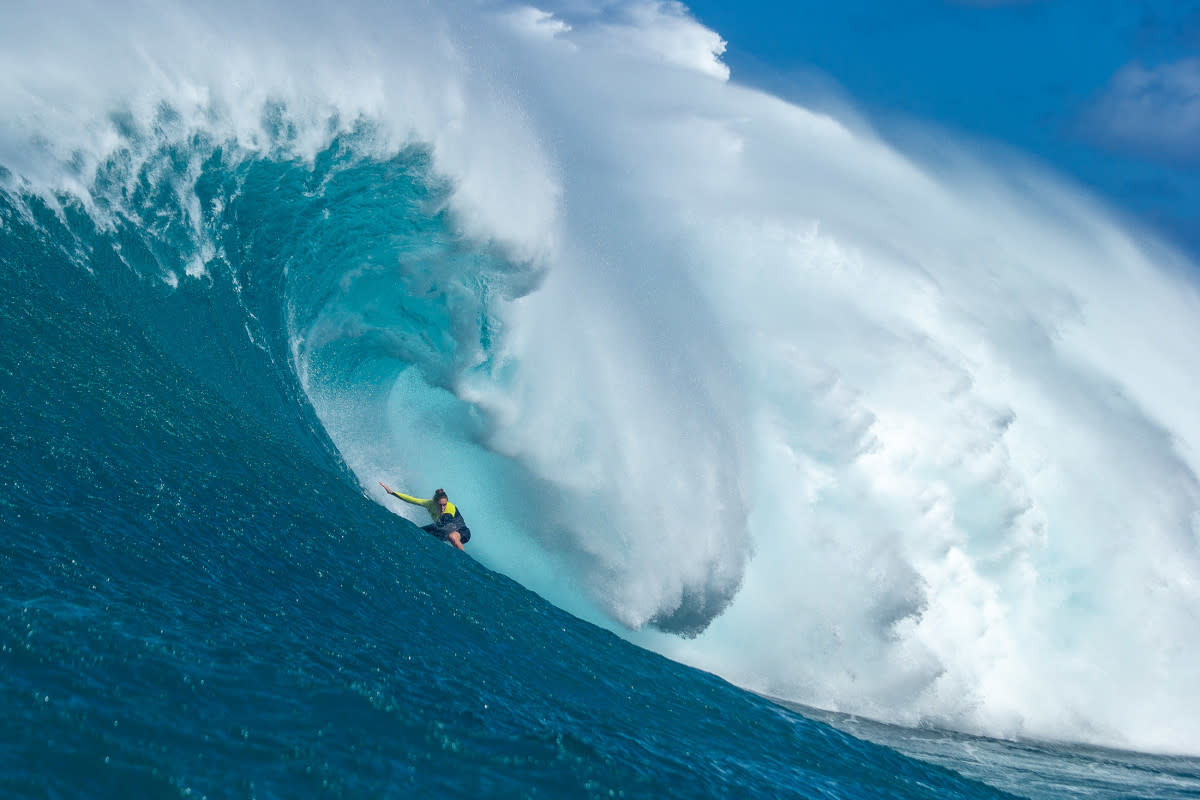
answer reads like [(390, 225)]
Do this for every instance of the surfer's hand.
[(385, 488)]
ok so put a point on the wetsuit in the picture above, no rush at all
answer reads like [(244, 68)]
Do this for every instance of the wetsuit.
[(443, 523)]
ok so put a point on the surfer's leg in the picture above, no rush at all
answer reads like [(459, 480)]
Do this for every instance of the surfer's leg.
[(456, 540)]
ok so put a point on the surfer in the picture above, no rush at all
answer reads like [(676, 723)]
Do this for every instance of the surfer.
[(448, 524)]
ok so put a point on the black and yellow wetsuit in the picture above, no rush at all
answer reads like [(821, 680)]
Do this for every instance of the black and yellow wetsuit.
[(443, 522)]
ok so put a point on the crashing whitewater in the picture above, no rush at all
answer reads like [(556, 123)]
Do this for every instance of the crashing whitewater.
[(907, 436)]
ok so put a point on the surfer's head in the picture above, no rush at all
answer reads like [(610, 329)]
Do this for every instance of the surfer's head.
[(440, 498)]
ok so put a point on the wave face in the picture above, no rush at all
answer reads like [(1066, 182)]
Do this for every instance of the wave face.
[(198, 598), (891, 435)]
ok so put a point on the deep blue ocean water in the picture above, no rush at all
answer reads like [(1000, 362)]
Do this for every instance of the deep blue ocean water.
[(198, 598)]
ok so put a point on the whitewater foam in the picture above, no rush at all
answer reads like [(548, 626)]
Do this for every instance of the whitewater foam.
[(900, 437)]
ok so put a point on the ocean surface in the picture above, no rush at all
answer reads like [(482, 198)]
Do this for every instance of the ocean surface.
[(798, 464)]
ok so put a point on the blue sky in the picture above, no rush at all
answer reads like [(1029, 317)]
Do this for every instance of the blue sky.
[(1105, 91)]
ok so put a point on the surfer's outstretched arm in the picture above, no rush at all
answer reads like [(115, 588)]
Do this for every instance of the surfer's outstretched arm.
[(416, 501)]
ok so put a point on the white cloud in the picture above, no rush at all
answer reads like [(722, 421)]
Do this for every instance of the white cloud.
[(1154, 111)]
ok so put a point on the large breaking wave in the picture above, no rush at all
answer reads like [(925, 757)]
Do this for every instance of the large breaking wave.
[(902, 436)]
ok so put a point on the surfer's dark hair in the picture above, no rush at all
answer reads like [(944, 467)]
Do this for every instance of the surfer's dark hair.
[(440, 493)]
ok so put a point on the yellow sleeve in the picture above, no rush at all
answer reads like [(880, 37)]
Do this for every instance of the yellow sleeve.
[(416, 501)]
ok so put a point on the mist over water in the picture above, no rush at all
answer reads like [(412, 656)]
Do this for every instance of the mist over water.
[(903, 436)]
